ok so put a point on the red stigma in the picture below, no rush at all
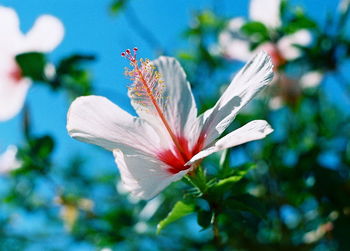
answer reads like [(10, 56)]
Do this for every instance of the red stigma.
[(130, 56)]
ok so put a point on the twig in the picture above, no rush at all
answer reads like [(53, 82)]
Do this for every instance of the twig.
[(216, 231)]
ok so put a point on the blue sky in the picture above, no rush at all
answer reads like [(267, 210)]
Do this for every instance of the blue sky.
[(90, 28)]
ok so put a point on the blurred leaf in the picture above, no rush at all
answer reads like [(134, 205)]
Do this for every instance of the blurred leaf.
[(36, 155), (204, 218), (180, 210), (298, 22), (257, 30), (118, 5), (32, 65), (246, 203), (71, 76)]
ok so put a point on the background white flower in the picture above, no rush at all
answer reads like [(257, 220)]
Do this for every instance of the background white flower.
[(45, 35), (236, 45), (8, 160)]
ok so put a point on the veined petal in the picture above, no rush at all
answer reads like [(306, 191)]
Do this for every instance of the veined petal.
[(98, 121), (255, 75), (176, 102), (266, 12), (286, 44), (254, 130), (45, 35), (10, 33), (233, 44), (144, 176), (179, 103)]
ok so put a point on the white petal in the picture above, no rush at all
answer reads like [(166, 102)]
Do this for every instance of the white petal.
[(12, 92), (46, 34), (233, 44), (276, 103), (8, 160), (254, 130), (96, 120), (10, 33), (144, 176), (178, 104), (255, 75), (311, 79), (12, 97), (266, 12), (286, 44)]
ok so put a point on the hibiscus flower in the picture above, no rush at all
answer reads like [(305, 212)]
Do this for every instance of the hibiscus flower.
[(167, 139), (8, 160), (236, 45), (46, 33)]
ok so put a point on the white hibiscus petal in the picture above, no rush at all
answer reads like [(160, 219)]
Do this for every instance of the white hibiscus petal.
[(266, 12), (144, 176), (10, 33), (254, 130), (286, 44), (46, 34), (97, 120), (12, 97), (180, 107), (256, 74), (177, 102)]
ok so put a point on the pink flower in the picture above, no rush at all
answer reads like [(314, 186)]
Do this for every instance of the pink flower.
[(167, 138), (44, 36)]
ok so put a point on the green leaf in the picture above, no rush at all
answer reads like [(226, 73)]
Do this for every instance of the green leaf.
[(235, 177), (72, 76), (247, 203), (256, 29), (204, 218), (117, 6), (198, 180), (180, 210), (32, 65), (228, 180)]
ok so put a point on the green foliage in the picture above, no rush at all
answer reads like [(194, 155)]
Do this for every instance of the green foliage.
[(257, 30), (72, 77), (36, 155), (180, 210), (32, 65), (117, 6), (285, 196), (68, 75)]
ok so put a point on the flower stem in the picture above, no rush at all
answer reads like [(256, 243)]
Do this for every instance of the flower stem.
[(216, 231)]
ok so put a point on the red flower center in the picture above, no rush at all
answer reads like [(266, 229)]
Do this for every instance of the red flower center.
[(276, 56), (16, 74), (176, 161)]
